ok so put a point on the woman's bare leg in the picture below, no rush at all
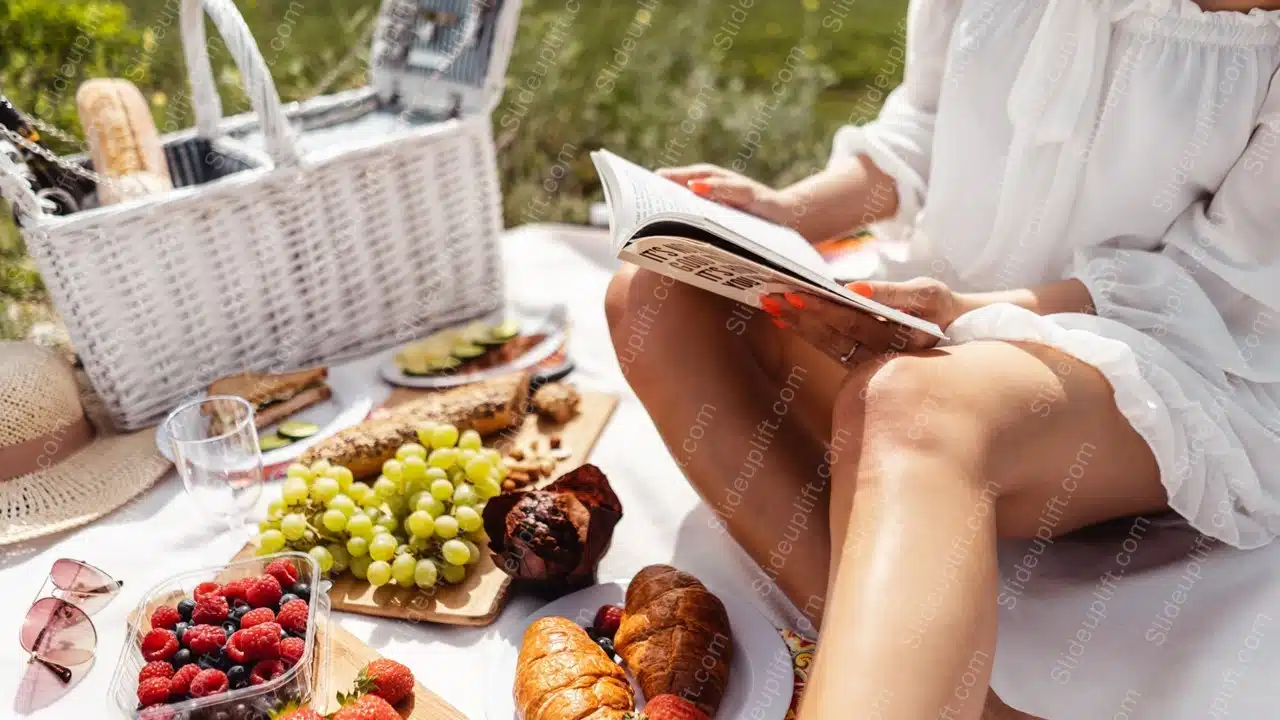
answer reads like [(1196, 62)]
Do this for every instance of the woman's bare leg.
[(948, 449), (742, 415)]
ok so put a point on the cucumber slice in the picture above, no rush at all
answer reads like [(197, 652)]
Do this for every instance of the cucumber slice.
[(472, 332), (467, 351), (267, 443), (297, 430), (507, 330), (442, 364)]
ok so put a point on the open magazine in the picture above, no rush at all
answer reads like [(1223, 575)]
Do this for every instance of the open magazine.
[(666, 228)]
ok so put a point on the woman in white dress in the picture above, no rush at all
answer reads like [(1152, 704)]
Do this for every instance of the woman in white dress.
[(1089, 193)]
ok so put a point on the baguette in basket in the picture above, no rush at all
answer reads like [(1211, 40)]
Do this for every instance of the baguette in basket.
[(122, 139), (562, 673)]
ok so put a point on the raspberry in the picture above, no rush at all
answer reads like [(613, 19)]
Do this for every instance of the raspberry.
[(157, 668), (156, 712), (260, 642), (293, 616), (291, 650), (159, 644), (165, 617), (153, 691), (283, 571), (205, 588), (180, 683), (208, 682), (265, 670), (256, 616), (210, 610), (204, 639), (234, 651), (263, 591), (235, 590)]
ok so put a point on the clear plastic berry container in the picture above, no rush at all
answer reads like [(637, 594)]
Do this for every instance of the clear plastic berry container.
[(301, 683)]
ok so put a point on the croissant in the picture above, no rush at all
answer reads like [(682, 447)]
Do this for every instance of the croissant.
[(675, 637), (563, 675)]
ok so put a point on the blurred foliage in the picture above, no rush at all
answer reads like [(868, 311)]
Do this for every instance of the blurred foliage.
[(763, 83)]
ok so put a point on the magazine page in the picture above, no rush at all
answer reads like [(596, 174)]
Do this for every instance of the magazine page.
[(709, 268), (638, 196)]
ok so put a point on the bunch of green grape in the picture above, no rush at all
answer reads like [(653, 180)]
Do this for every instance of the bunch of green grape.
[(418, 524)]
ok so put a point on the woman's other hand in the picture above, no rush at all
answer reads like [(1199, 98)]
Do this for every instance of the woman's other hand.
[(725, 186), (837, 330)]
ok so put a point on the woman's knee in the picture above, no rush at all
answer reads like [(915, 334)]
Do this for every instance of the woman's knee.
[(912, 403)]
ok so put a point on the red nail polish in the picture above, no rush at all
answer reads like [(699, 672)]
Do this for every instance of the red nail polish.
[(780, 322), (769, 305), (795, 300), (699, 187), (861, 287)]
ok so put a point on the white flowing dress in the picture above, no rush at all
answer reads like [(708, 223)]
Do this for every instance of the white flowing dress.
[(1134, 145)]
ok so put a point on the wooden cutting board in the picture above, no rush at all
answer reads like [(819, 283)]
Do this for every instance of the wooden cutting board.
[(479, 599), (348, 655)]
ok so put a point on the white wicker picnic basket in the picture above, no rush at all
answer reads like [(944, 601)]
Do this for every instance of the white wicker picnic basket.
[(368, 218)]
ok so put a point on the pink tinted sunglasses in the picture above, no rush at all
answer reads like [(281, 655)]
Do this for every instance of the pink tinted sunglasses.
[(57, 632)]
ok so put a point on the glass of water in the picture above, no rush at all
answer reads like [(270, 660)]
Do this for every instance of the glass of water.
[(215, 446)]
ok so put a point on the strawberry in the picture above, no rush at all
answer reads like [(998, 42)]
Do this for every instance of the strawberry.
[(293, 617), (283, 571), (257, 616), (208, 682), (260, 642), (291, 650), (204, 639), (153, 691), (165, 617), (387, 679), (366, 707), (235, 590), (205, 588), (180, 683), (210, 610), (608, 618), (305, 713), (156, 668), (672, 707), (263, 591), (159, 644)]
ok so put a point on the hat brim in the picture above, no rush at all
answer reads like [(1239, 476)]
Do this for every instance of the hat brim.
[(87, 485)]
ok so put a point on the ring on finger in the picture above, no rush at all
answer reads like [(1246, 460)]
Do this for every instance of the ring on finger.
[(844, 359)]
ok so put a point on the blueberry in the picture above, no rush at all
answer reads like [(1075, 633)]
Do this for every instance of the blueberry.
[(185, 607), (240, 611), (301, 589), (283, 633), (242, 605), (240, 711), (220, 715), (180, 658), (285, 598), (237, 673), (180, 629), (230, 626), (605, 644), (208, 662)]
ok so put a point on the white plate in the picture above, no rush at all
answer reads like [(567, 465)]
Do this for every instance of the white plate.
[(759, 654), (348, 404), (552, 323)]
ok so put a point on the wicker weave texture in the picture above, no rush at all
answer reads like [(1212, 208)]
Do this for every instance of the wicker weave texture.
[(277, 269)]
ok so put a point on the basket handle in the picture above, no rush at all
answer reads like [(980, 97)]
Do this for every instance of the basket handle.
[(253, 69)]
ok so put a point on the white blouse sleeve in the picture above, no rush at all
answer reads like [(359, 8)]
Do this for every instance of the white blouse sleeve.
[(900, 139), (1212, 293)]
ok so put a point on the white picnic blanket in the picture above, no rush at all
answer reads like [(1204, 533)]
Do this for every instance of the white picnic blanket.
[(1217, 645)]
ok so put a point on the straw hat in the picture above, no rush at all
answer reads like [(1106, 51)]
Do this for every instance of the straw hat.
[(56, 471)]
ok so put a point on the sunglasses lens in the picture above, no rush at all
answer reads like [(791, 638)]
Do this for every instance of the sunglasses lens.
[(74, 576), (59, 632)]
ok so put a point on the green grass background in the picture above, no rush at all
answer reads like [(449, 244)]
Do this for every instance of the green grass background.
[(691, 89)]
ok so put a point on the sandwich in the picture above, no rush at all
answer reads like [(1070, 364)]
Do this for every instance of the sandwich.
[(275, 397)]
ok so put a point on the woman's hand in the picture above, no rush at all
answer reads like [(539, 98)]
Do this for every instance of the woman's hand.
[(851, 336), (730, 188)]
